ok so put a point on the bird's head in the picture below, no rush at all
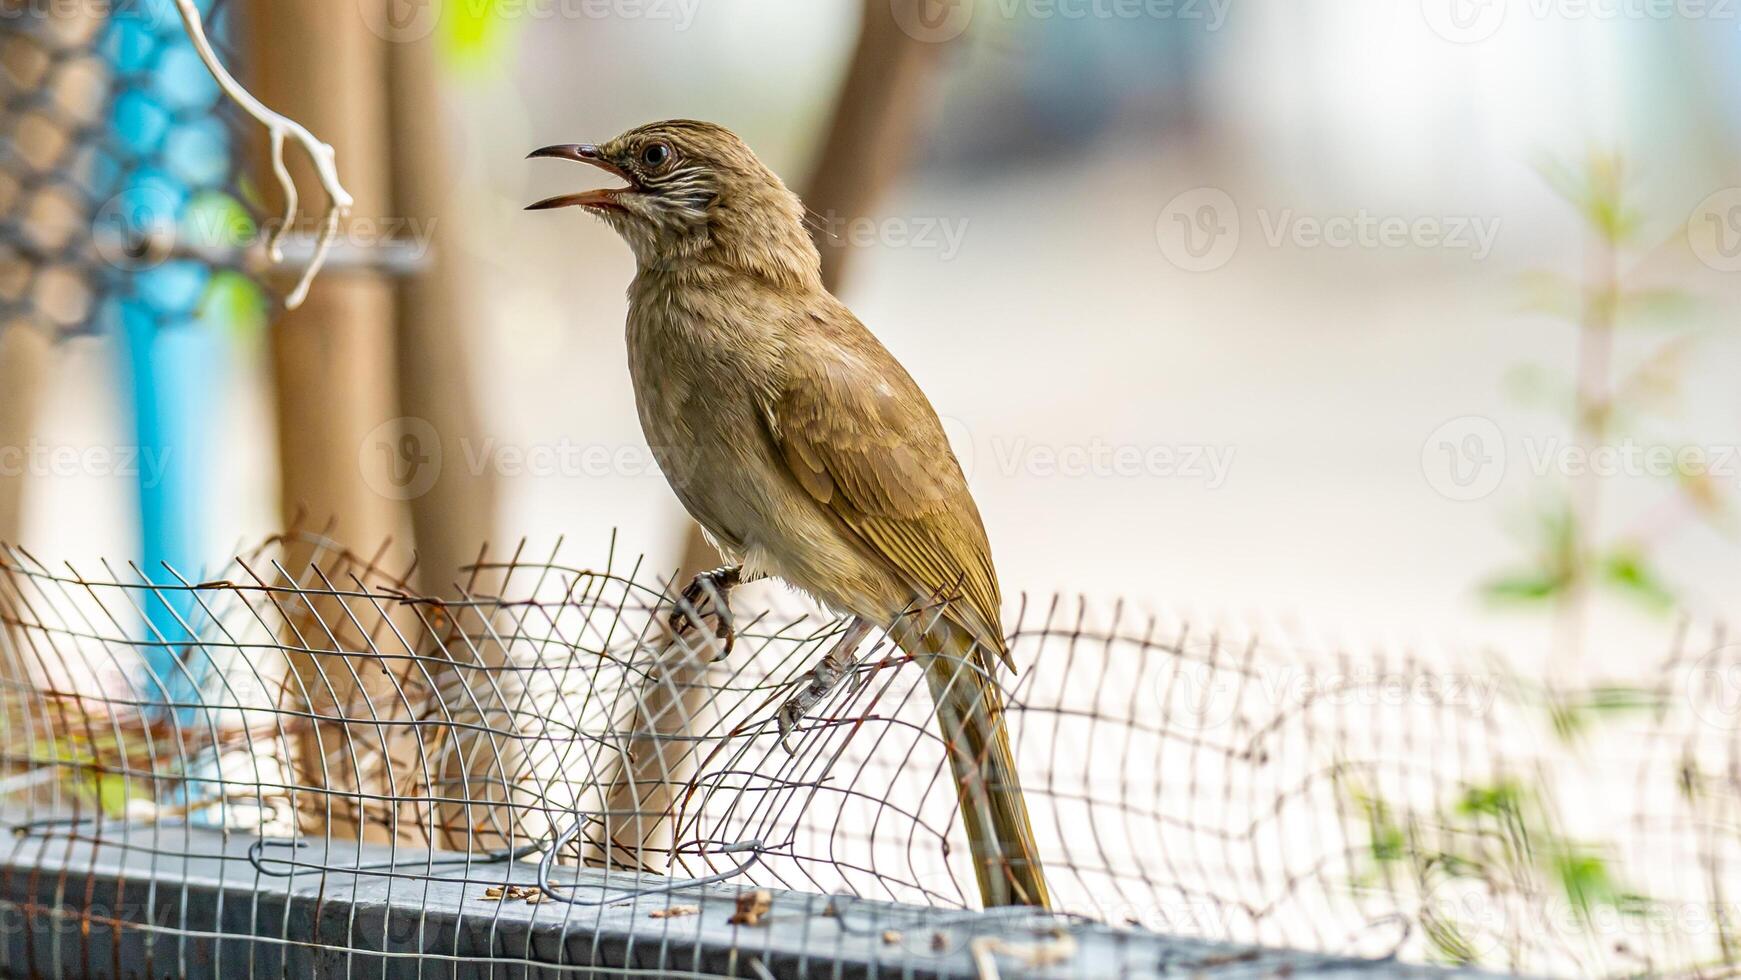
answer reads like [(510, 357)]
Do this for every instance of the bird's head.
[(694, 194)]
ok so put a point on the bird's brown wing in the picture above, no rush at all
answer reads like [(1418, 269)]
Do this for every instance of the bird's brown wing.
[(860, 437)]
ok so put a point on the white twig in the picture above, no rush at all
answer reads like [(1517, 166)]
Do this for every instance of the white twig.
[(278, 126)]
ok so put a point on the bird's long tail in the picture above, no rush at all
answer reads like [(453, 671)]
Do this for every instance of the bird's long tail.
[(971, 719)]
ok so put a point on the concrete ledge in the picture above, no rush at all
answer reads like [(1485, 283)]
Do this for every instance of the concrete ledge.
[(169, 900)]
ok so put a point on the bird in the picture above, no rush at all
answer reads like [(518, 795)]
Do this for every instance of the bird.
[(806, 452)]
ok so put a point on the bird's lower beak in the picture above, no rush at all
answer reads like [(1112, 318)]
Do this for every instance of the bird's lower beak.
[(589, 154)]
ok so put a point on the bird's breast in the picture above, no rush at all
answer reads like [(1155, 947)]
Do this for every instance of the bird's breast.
[(696, 391)]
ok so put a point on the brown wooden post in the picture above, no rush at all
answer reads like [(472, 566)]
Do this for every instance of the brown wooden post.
[(333, 362), (24, 360), (439, 312), (878, 118)]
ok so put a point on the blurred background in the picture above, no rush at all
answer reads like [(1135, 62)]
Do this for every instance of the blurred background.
[(1257, 308)]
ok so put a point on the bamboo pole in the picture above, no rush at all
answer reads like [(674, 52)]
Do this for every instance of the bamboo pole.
[(342, 458), (24, 361), (881, 110), (439, 312)]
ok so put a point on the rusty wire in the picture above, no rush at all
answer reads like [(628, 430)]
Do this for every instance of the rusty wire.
[(1214, 783)]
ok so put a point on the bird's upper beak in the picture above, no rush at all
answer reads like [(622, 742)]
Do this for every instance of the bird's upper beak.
[(605, 197)]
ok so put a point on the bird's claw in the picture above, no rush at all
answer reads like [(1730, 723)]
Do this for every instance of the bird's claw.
[(787, 718), (819, 682), (708, 595)]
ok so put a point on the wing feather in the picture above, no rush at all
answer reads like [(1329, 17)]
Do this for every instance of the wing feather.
[(863, 441)]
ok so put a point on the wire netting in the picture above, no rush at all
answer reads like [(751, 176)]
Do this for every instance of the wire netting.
[(124, 206), (1219, 784)]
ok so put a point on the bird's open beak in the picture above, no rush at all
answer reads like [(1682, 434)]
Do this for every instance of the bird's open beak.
[(605, 197)]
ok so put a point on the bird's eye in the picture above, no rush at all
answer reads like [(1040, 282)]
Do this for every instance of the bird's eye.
[(656, 154)]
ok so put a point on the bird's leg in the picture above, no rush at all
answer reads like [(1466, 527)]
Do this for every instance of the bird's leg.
[(709, 594), (822, 679)]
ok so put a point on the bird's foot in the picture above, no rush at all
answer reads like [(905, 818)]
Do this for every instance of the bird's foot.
[(821, 681), (709, 594)]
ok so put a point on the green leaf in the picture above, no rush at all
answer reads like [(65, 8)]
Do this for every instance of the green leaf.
[(1618, 699), (1448, 941), (1706, 495), (1502, 799), (1389, 843), (1523, 587), (1597, 190), (1626, 571), (1537, 386), (1585, 880), (214, 219), (1460, 867), (1653, 307), (471, 33), (1551, 294), (233, 302), (1572, 717)]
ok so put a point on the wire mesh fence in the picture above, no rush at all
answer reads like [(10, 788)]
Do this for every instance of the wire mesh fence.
[(320, 721), (124, 205)]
